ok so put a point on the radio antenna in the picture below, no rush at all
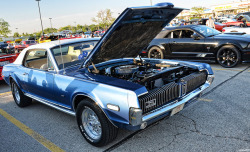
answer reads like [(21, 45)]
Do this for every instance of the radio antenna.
[(61, 54)]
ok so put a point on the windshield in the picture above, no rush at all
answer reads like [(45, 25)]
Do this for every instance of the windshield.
[(206, 31), (72, 54)]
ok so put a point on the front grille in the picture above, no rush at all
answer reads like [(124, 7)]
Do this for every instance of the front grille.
[(158, 97), (195, 80), (171, 91)]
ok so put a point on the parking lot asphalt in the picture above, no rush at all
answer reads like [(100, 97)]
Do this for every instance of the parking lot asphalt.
[(219, 121)]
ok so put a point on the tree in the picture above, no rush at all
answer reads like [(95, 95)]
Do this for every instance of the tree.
[(68, 27), (4, 27), (50, 30), (16, 34), (93, 27), (104, 19), (38, 34), (197, 11), (81, 28)]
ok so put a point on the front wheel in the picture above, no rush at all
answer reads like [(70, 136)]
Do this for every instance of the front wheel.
[(20, 99), (228, 56), (93, 124), (156, 53)]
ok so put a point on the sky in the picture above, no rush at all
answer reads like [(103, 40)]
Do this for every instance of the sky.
[(23, 15)]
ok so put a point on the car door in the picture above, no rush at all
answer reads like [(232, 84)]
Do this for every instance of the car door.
[(182, 45), (39, 73)]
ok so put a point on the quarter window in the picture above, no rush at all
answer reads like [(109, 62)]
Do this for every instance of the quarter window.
[(174, 34)]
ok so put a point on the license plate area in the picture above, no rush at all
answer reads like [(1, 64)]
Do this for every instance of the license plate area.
[(177, 109)]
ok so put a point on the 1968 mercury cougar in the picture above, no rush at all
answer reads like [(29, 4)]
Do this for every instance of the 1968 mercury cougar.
[(110, 87)]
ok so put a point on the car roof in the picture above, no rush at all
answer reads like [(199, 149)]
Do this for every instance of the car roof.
[(51, 44), (181, 27)]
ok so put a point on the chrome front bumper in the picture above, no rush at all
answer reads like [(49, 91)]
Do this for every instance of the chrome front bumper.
[(169, 107), (136, 117)]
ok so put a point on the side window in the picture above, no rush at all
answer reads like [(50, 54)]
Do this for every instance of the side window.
[(169, 35), (72, 54), (186, 34), (174, 34), (37, 59)]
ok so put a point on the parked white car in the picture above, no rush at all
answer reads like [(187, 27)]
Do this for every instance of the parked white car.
[(236, 29)]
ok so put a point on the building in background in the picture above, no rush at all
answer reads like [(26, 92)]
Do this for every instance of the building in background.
[(227, 9)]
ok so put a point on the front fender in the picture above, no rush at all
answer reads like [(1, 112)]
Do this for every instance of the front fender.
[(238, 45), (102, 95)]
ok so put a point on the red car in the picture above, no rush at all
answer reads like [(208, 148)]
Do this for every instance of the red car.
[(239, 21), (24, 45), (219, 26), (6, 59)]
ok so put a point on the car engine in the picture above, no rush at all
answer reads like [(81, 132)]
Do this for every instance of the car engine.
[(151, 75)]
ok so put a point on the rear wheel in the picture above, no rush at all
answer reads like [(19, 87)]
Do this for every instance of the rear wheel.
[(20, 99), (93, 124), (156, 53), (228, 56)]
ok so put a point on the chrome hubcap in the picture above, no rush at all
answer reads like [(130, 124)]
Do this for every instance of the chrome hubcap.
[(91, 123), (16, 93)]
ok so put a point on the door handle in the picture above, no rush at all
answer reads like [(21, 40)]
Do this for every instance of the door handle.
[(25, 73), (174, 42)]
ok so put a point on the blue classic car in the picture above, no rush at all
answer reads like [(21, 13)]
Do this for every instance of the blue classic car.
[(111, 87)]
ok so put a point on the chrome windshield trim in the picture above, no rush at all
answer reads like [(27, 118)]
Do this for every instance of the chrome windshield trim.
[(169, 107), (52, 58), (53, 105)]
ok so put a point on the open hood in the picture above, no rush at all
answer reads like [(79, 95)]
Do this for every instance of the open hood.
[(131, 32)]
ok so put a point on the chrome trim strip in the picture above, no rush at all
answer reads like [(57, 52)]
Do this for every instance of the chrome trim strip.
[(169, 107), (51, 104), (7, 56), (191, 53), (142, 94)]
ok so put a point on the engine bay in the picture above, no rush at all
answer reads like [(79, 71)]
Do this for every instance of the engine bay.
[(151, 75)]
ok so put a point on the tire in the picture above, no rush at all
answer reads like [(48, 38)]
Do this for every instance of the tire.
[(156, 53), (228, 56), (20, 99), (106, 133)]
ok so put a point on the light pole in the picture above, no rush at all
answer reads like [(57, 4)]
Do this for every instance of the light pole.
[(51, 25), (40, 15), (151, 2), (17, 31), (75, 25)]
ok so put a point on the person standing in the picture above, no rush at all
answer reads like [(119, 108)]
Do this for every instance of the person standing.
[(210, 22)]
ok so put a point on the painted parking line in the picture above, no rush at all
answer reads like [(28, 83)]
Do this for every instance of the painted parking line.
[(226, 69), (45, 142), (203, 99), (5, 93)]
